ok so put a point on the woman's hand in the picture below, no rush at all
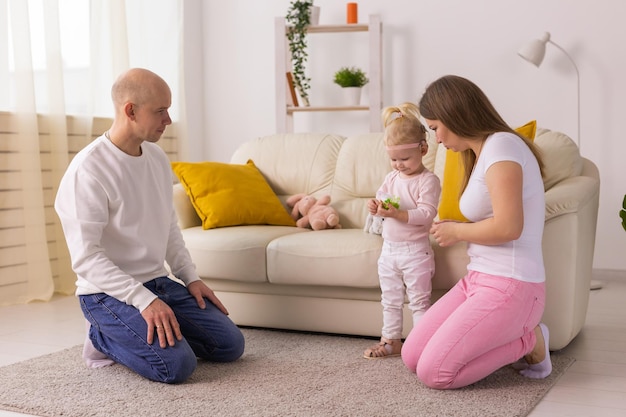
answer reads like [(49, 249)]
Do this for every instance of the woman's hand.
[(445, 232)]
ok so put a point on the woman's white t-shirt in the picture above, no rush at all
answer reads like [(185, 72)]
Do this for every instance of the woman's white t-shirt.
[(521, 259)]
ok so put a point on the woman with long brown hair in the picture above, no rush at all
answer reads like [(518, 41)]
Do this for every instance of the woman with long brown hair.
[(491, 317)]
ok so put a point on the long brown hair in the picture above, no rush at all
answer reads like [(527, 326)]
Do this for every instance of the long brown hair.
[(467, 112)]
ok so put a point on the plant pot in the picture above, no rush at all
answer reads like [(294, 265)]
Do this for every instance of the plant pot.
[(351, 96)]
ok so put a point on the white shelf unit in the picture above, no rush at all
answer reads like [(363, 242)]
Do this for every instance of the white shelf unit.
[(285, 112)]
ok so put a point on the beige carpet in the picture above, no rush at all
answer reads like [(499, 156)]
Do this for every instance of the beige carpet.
[(281, 374)]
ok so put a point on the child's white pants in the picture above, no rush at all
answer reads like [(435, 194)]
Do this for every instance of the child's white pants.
[(401, 265)]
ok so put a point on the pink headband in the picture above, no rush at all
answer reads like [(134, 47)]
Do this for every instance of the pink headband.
[(401, 147)]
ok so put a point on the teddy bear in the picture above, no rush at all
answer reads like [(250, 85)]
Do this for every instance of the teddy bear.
[(313, 213), (374, 224)]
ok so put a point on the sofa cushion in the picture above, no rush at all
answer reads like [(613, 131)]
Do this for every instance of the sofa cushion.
[(430, 159), (452, 177), (187, 215), (230, 194), (362, 164), (233, 253), (300, 163), (561, 156), (332, 257)]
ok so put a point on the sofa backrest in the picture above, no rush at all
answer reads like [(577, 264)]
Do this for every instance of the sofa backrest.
[(361, 168), (350, 170), (294, 163), (362, 165), (561, 157)]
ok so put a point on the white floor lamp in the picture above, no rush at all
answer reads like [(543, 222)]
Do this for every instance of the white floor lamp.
[(533, 52)]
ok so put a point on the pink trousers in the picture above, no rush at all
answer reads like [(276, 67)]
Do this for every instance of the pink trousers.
[(482, 324)]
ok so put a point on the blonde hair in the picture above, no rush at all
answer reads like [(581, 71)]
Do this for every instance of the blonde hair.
[(402, 125)]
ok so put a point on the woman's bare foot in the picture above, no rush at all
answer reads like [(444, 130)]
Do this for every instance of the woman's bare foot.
[(539, 363)]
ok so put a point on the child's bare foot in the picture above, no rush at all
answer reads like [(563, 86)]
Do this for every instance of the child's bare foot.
[(539, 363), (386, 348)]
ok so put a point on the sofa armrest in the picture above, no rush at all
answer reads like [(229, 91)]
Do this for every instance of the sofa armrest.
[(568, 249), (187, 216), (569, 195)]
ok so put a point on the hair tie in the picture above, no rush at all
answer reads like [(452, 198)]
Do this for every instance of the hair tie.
[(397, 115), (406, 146)]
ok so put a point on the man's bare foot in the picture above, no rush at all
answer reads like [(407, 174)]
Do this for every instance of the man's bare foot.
[(539, 363)]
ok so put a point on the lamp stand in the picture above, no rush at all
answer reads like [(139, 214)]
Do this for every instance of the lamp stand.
[(577, 89)]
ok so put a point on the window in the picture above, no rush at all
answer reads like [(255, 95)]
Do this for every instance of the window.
[(93, 41)]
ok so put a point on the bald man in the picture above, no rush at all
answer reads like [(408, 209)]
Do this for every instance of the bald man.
[(115, 205)]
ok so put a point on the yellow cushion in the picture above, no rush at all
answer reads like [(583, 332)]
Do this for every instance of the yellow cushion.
[(230, 194), (453, 176)]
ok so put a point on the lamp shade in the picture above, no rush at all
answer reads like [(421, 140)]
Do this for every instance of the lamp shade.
[(535, 50)]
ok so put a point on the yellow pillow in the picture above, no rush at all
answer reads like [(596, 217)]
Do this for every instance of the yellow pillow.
[(453, 175), (230, 194)]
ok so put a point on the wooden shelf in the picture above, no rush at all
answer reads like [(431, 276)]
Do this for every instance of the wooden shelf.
[(285, 112), (292, 109), (338, 28)]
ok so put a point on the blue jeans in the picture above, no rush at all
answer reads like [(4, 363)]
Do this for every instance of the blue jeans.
[(119, 331)]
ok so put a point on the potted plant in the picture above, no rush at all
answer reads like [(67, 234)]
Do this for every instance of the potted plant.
[(622, 213), (350, 77), (351, 80), (299, 17)]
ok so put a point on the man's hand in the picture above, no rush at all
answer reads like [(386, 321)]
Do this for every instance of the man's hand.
[(200, 291), (158, 315)]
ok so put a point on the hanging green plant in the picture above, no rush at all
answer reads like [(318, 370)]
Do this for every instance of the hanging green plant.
[(299, 17), (622, 213)]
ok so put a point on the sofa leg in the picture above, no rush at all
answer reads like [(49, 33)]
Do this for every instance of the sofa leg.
[(595, 284)]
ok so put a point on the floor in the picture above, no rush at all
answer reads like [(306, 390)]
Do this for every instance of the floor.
[(594, 386)]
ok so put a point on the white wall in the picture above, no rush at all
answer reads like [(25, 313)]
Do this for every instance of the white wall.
[(422, 41)]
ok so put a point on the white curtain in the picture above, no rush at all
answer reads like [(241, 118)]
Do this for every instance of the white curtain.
[(49, 108)]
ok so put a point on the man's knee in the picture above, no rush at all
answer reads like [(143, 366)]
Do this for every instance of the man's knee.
[(178, 370)]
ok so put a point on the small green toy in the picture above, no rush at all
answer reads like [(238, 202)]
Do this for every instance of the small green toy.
[(394, 201)]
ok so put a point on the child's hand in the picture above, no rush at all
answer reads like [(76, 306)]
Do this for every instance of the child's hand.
[(389, 211), (372, 206), (392, 201)]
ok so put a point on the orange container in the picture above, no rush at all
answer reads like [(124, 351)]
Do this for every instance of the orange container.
[(352, 13)]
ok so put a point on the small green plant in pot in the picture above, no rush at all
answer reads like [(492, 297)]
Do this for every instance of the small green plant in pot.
[(299, 17), (622, 213), (350, 77)]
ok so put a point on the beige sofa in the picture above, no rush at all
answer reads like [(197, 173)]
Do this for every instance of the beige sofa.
[(326, 281)]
